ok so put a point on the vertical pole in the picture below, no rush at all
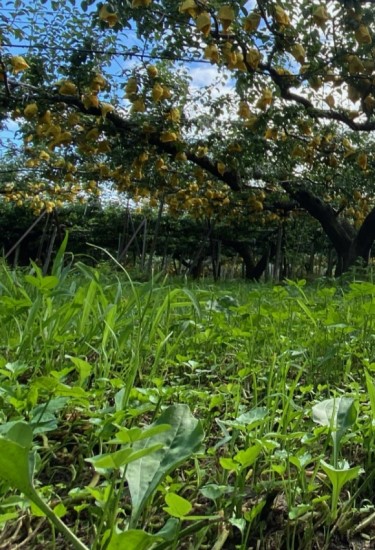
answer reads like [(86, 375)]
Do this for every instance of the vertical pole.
[(278, 255), (144, 243), (156, 235)]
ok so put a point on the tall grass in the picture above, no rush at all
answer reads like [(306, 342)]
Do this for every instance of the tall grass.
[(87, 354)]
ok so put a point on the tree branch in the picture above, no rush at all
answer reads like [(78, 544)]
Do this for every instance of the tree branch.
[(323, 213)]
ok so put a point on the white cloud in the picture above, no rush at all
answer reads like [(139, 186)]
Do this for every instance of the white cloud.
[(206, 76)]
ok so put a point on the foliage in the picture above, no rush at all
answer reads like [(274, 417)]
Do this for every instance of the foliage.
[(93, 227), (98, 374), (292, 129)]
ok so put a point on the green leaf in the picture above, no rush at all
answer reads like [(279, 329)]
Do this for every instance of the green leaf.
[(240, 523), (130, 435), (229, 464), (300, 461), (60, 510), (134, 539), (17, 368), (371, 392), (44, 283), (297, 511), (84, 368), (169, 531), (8, 517), (179, 442), (120, 458), (339, 476), (17, 466), (213, 491), (248, 419), (338, 414), (21, 433), (255, 511), (58, 262), (248, 457), (178, 507), (53, 387)]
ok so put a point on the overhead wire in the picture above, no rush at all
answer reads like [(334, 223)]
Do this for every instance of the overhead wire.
[(124, 53)]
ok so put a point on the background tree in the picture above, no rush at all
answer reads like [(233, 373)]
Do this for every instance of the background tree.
[(297, 122)]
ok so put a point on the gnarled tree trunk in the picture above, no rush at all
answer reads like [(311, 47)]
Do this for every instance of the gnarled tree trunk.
[(351, 245), (253, 270)]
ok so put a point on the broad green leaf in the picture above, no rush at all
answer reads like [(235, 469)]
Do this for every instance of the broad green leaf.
[(21, 433), (300, 461), (340, 476), (178, 507), (179, 442), (130, 435), (169, 530), (346, 414), (17, 368), (110, 460), (240, 523), (54, 387), (17, 466), (297, 511), (337, 413), (36, 511), (134, 539), (122, 457), (278, 468), (213, 491), (248, 457), (254, 511), (8, 517), (229, 464), (44, 283), (84, 368), (60, 510), (248, 419)]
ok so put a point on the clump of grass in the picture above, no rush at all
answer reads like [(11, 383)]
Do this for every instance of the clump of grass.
[(91, 362)]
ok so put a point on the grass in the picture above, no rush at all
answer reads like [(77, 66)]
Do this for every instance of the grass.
[(156, 415)]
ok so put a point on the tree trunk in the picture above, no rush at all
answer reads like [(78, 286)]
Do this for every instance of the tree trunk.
[(47, 260), (330, 263), (216, 258), (244, 250), (253, 271), (350, 245), (310, 265), (363, 241)]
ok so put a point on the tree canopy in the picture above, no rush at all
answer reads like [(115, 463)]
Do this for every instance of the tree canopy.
[(102, 93)]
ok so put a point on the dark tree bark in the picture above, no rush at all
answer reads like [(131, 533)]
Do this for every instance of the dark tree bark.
[(350, 245), (253, 271)]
